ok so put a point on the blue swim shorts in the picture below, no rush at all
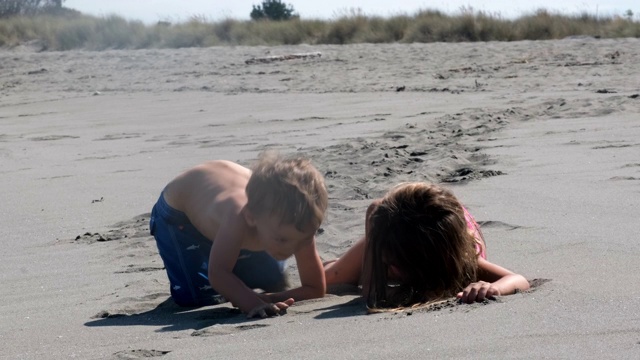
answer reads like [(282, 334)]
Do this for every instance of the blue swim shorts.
[(185, 253)]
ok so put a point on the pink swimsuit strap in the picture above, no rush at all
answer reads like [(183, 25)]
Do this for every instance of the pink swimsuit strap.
[(474, 229)]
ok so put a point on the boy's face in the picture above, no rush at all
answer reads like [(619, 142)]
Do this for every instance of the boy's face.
[(281, 240)]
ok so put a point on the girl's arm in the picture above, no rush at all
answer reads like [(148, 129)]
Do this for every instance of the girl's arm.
[(348, 267), (494, 281)]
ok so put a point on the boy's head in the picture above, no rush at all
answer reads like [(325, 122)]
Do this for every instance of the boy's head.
[(418, 232), (289, 189)]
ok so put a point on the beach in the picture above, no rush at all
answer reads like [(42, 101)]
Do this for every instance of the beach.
[(539, 139)]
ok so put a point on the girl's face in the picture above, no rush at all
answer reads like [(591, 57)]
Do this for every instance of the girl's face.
[(394, 274)]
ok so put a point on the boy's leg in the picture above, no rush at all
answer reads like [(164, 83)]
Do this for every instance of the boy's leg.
[(258, 270), (185, 253)]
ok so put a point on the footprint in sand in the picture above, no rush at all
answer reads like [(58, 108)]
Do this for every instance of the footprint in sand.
[(611, 146), (497, 224), (623, 178), (139, 354), (136, 228), (134, 306), (131, 269), (120, 136), (467, 173), (226, 330), (536, 283), (53, 137), (631, 165)]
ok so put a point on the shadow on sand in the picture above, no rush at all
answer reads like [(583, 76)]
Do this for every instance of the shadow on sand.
[(171, 317)]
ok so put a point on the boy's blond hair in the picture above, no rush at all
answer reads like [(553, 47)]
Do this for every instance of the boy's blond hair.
[(291, 188)]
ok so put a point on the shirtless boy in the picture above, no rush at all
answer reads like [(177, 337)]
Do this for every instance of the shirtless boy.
[(223, 229)]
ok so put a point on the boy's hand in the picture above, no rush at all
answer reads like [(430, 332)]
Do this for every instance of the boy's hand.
[(478, 291), (270, 309), (264, 297)]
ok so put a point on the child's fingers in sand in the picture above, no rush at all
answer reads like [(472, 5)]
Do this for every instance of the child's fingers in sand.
[(263, 310), (270, 309), (478, 291), (284, 305)]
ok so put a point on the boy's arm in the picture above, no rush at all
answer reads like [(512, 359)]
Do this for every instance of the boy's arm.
[(311, 276), (222, 260), (494, 280)]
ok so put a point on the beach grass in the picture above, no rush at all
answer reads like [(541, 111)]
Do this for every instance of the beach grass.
[(79, 31)]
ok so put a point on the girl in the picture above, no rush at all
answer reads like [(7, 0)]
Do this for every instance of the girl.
[(421, 245)]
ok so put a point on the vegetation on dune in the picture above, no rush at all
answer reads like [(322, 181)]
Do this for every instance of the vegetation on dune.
[(64, 29), (272, 10), (10, 8)]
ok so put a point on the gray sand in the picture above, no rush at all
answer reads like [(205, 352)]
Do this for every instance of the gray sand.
[(539, 139)]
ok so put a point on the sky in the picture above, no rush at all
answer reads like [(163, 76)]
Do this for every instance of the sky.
[(151, 11)]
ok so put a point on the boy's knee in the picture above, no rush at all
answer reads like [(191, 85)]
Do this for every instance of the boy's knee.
[(280, 285), (260, 270), (183, 300)]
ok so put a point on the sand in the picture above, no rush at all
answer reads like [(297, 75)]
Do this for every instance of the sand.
[(540, 140)]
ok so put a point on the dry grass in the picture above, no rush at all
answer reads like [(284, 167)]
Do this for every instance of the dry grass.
[(79, 31)]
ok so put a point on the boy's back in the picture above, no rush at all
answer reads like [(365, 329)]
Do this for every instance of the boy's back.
[(209, 194)]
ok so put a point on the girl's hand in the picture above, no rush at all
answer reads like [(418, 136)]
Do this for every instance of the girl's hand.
[(478, 291), (270, 309)]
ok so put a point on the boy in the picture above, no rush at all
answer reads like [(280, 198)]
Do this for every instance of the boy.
[(224, 229)]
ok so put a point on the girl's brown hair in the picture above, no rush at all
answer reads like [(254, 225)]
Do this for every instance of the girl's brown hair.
[(291, 188), (418, 231)]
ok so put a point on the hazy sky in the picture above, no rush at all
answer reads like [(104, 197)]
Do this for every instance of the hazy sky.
[(151, 11)]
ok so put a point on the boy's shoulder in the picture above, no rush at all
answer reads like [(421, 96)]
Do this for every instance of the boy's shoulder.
[(222, 168), (208, 183), (219, 163)]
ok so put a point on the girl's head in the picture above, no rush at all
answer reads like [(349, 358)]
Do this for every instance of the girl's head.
[(419, 247)]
